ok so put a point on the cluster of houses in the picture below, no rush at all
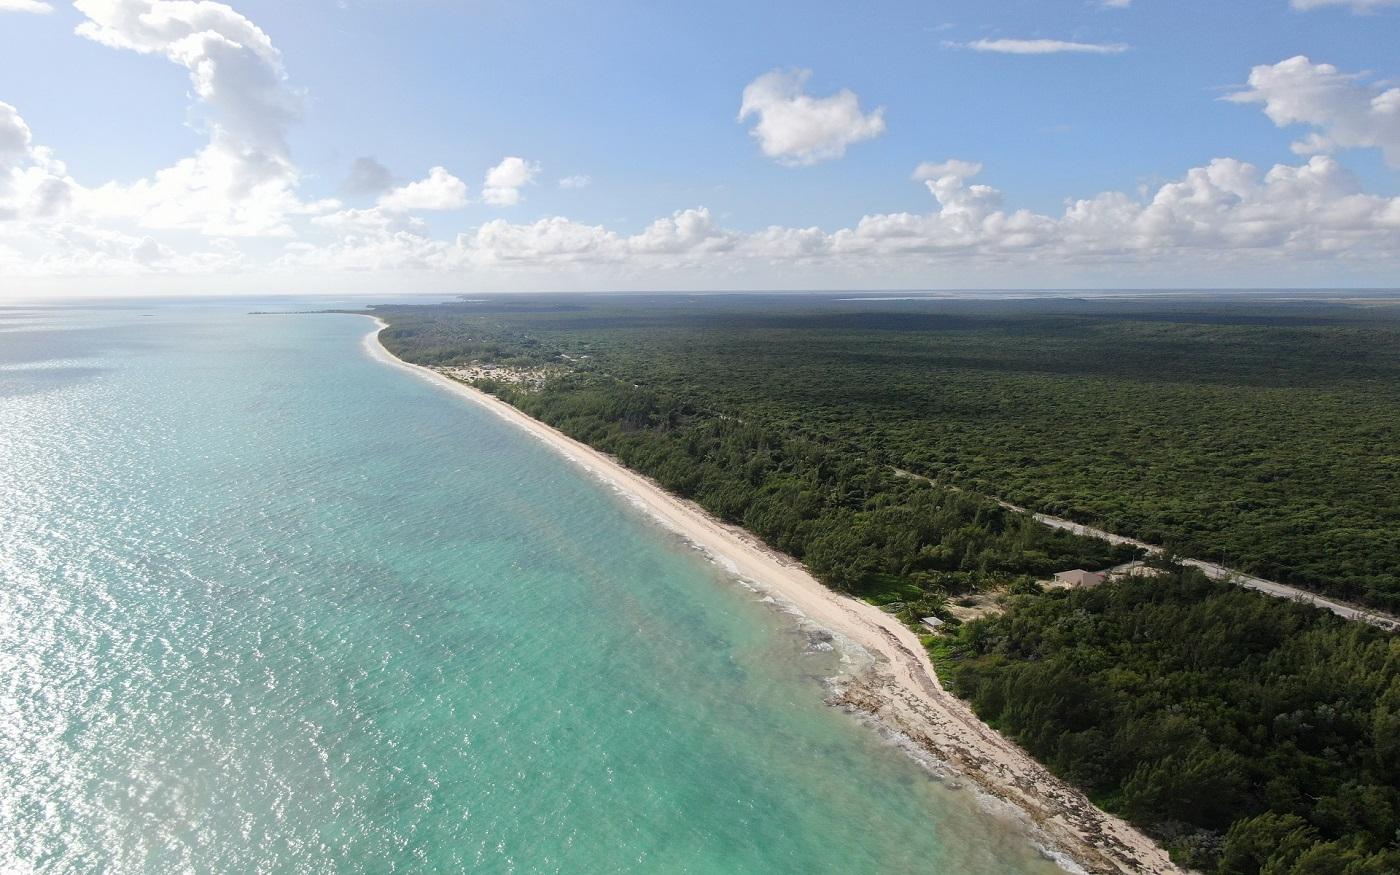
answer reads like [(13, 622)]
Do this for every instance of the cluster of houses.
[(530, 378), (1077, 578), (1081, 579)]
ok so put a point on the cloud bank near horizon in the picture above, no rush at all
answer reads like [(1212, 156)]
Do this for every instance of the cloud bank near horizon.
[(234, 208)]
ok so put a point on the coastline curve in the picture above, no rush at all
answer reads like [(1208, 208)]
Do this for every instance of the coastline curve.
[(896, 688)]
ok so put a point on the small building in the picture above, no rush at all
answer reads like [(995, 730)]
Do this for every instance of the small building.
[(934, 625), (1078, 578)]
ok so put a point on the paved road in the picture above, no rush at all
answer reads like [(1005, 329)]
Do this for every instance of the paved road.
[(1211, 569)]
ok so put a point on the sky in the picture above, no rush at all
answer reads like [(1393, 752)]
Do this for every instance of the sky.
[(382, 146)]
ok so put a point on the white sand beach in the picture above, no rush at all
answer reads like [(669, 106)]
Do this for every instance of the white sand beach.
[(899, 688)]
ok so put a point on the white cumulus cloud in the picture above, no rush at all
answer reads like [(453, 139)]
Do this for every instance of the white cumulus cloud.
[(439, 190), (686, 232), (15, 137), (1353, 5), (947, 182), (504, 181), (35, 6), (37, 237), (1347, 112), (1040, 47), (581, 180), (234, 68), (65, 249), (33, 184), (546, 241), (1224, 214), (243, 182), (369, 222), (797, 128), (1223, 219)]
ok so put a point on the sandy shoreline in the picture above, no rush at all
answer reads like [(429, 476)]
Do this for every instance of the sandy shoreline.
[(899, 689)]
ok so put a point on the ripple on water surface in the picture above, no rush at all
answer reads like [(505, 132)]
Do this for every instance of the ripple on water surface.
[(270, 606)]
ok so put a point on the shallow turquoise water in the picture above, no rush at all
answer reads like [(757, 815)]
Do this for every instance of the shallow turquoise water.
[(268, 605)]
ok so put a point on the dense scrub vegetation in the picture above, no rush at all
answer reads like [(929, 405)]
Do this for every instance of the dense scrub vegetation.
[(1263, 435), (1251, 735), (855, 524)]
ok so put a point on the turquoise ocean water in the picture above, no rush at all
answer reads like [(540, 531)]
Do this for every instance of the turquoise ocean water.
[(267, 605)]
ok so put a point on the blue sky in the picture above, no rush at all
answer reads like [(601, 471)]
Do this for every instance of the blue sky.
[(1056, 101)]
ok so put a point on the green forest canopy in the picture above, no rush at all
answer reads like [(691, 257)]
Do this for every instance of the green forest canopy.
[(1263, 435), (1251, 735)]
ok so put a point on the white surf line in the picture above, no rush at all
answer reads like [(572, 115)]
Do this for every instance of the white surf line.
[(1212, 570)]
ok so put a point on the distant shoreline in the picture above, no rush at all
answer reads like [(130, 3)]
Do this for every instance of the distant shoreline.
[(899, 689)]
